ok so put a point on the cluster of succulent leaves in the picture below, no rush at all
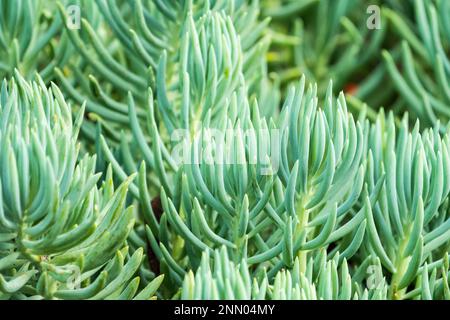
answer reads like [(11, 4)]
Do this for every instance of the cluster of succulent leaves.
[(63, 236), (405, 60), (350, 199)]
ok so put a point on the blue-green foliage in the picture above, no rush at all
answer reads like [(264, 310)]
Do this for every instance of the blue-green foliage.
[(244, 172)]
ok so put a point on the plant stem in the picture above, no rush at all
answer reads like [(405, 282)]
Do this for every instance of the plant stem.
[(400, 266), (303, 216)]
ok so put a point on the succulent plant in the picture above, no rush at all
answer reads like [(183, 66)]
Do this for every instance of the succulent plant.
[(322, 279), (61, 235), (153, 44), (423, 83), (262, 150)]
